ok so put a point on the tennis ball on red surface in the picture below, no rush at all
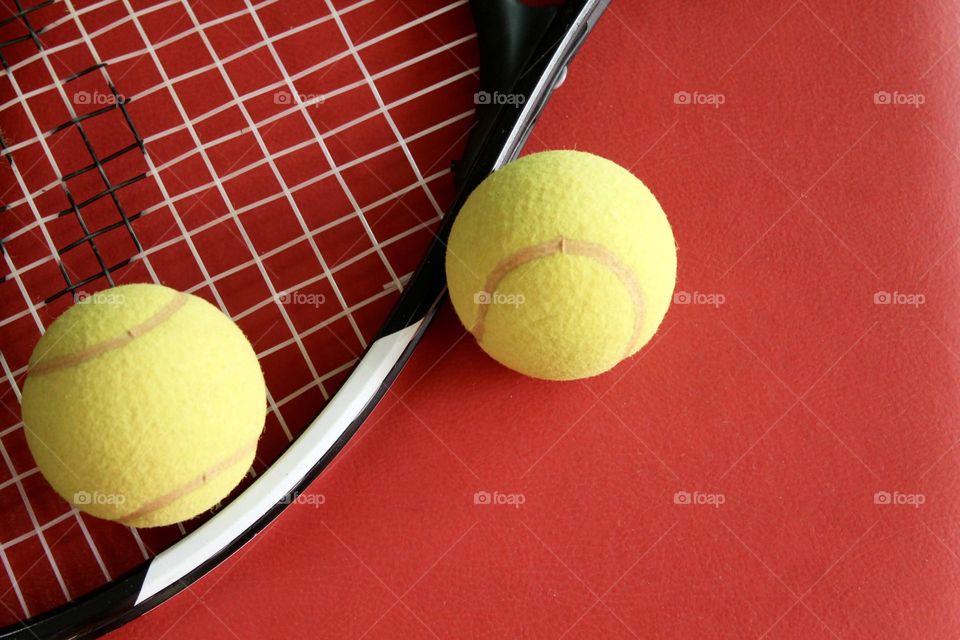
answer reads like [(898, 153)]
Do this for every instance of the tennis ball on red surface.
[(561, 264), (143, 405)]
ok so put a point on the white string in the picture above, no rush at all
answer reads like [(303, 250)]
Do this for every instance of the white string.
[(209, 281), (382, 107), (14, 583), (28, 505), (226, 177), (269, 88), (285, 190), (38, 223)]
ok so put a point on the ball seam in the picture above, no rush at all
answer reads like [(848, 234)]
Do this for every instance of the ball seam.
[(128, 336), (190, 486), (565, 246)]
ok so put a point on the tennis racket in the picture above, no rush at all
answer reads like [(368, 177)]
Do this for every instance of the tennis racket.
[(291, 162)]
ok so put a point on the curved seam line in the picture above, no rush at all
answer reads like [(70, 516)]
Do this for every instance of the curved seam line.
[(572, 247), (188, 487), (117, 342)]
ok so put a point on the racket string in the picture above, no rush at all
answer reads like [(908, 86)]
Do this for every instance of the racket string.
[(89, 235), (346, 326), (358, 161)]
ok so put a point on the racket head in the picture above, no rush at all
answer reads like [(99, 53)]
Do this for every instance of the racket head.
[(292, 168), (165, 143)]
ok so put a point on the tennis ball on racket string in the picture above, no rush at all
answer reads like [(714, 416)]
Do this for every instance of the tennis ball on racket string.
[(561, 264), (143, 405)]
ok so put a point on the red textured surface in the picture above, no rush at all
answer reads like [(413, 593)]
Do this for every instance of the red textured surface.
[(798, 399)]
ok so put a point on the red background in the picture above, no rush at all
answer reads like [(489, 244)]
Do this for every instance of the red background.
[(797, 399)]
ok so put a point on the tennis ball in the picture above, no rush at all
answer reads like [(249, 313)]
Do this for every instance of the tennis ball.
[(561, 264), (143, 405)]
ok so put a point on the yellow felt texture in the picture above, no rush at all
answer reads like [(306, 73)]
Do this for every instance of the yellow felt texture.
[(156, 430), (564, 315)]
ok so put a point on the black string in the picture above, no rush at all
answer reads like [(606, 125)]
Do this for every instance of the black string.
[(21, 16), (89, 236)]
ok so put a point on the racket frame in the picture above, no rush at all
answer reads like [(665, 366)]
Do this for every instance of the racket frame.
[(498, 140)]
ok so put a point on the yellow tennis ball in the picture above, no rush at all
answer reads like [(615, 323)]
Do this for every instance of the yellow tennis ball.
[(561, 264), (143, 405)]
